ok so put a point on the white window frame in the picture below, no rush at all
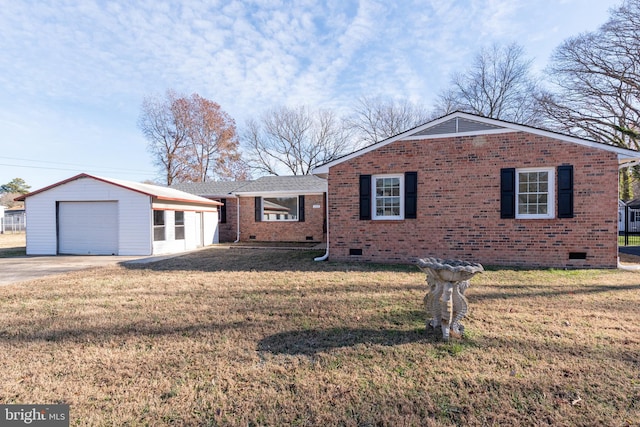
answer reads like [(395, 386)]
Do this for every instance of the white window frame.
[(551, 193), (281, 196), (374, 198)]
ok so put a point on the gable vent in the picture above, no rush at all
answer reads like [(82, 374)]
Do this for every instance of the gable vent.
[(457, 125)]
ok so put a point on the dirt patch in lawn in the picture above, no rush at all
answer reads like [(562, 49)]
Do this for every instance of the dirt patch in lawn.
[(255, 337)]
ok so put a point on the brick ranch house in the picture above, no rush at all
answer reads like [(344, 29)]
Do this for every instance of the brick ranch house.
[(478, 189), (269, 209)]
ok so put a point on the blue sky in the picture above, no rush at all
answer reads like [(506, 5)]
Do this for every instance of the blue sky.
[(73, 73)]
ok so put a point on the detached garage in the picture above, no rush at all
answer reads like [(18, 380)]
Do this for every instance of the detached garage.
[(90, 215)]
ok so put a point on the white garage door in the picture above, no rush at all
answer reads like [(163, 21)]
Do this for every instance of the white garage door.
[(88, 228)]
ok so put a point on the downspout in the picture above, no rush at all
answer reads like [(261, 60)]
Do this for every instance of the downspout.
[(237, 218), (326, 254)]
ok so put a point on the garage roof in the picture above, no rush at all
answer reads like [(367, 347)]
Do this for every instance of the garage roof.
[(155, 191)]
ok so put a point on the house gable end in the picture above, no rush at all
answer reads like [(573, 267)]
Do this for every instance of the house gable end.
[(457, 125), (460, 124)]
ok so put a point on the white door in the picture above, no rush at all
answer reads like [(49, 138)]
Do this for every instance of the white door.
[(88, 228)]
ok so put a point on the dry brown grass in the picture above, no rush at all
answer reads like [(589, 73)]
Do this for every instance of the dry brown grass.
[(12, 244), (257, 337)]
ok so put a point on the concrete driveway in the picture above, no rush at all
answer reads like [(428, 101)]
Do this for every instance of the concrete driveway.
[(20, 269)]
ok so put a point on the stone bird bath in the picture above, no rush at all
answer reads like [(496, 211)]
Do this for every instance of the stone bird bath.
[(445, 302)]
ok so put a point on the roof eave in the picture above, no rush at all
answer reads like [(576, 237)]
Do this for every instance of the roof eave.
[(624, 155), (280, 193), (190, 201)]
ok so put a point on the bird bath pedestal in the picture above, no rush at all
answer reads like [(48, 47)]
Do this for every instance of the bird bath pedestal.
[(445, 302)]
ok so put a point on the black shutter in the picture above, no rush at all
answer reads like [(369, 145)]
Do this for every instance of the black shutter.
[(258, 201), (410, 194), (565, 191), (223, 211), (508, 193), (301, 208), (365, 196)]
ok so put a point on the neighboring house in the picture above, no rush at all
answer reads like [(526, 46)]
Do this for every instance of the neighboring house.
[(90, 215), (632, 207), (478, 189), (269, 209), (622, 216), (15, 219)]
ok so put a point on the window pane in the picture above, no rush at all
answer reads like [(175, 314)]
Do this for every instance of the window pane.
[(388, 197), (179, 225), (158, 217), (179, 218), (180, 232), (280, 208), (533, 193), (158, 233)]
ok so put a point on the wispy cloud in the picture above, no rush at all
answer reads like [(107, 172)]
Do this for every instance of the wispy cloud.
[(95, 59)]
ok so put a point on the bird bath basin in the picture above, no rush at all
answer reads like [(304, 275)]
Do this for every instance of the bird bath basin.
[(445, 302)]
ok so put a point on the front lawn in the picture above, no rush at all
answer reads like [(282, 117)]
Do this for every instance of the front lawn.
[(12, 244), (270, 337)]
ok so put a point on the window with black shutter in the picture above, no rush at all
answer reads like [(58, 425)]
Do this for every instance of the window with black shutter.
[(301, 208), (565, 191), (410, 194), (258, 208), (365, 197), (223, 211), (508, 193)]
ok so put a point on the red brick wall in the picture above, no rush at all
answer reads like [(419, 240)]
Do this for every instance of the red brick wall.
[(459, 204), (228, 230), (283, 231)]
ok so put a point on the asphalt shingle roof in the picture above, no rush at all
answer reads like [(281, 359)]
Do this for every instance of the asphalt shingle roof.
[(299, 184), (210, 189)]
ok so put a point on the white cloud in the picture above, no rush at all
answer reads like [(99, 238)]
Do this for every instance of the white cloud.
[(94, 57)]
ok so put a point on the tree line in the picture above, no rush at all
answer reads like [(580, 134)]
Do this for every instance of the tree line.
[(590, 89)]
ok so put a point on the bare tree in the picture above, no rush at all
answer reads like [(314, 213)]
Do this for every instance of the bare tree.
[(595, 90), (190, 138), (499, 84), (374, 119), (293, 140), (163, 123), (596, 82)]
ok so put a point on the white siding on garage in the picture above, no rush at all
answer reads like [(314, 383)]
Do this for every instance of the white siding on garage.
[(91, 215), (134, 215), (88, 228)]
